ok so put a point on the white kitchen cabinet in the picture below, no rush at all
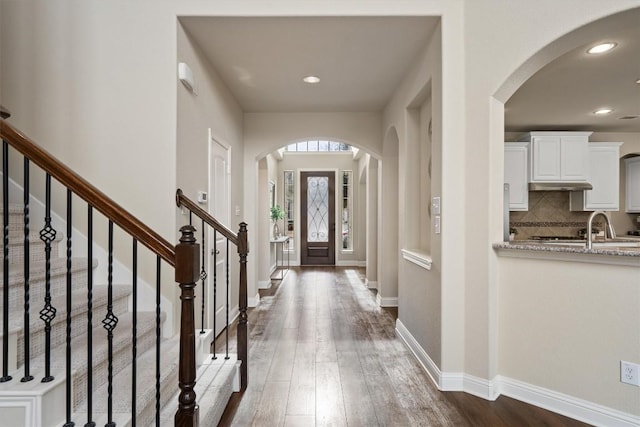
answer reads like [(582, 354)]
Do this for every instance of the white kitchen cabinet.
[(516, 174), (558, 156), (604, 176), (632, 181)]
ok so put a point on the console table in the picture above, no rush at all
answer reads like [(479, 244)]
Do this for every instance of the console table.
[(281, 269)]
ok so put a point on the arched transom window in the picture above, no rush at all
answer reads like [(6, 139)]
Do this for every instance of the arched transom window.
[(320, 146)]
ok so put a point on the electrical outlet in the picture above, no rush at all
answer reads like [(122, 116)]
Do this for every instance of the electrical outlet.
[(629, 373)]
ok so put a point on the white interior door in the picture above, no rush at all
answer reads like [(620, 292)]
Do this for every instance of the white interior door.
[(219, 208)]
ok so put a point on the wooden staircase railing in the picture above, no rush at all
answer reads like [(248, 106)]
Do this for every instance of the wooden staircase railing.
[(90, 194), (184, 257), (242, 244)]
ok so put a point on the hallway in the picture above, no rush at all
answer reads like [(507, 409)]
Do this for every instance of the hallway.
[(323, 353)]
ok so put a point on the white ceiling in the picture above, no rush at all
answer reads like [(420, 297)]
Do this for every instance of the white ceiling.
[(361, 61), (564, 94)]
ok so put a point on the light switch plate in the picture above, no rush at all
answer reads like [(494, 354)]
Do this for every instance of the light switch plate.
[(436, 224), (435, 205)]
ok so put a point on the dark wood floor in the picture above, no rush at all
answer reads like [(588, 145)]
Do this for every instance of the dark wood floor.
[(323, 354)]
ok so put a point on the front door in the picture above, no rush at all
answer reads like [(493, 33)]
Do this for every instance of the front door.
[(317, 213)]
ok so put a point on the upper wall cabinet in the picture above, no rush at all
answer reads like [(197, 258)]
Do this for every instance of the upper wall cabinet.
[(558, 156), (604, 176), (632, 191), (516, 174)]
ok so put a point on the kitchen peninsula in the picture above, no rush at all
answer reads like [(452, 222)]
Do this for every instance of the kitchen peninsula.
[(623, 251), (571, 307)]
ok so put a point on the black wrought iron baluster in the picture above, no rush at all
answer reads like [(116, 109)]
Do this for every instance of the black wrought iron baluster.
[(69, 423), (5, 296), (48, 313), (215, 289), (227, 302), (158, 260), (203, 278), (110, 322), (134, 334), (90, 422), (190, 218), (27, 255)]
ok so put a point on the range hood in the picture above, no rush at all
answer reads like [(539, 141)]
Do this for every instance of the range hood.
[(560, 186)]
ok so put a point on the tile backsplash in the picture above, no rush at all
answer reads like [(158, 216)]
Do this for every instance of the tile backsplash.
[(549, 215)]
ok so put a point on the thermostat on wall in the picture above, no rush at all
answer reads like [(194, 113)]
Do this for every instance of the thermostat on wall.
[(202, 197)]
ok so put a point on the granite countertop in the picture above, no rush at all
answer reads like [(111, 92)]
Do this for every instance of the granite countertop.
[(576, 248)]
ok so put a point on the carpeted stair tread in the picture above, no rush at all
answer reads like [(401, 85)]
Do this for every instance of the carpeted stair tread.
[(37, 269), (79, 307), (214, 386), (121, 339), (145, 383)]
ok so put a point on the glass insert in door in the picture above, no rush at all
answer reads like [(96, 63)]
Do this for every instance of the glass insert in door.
[(317, 209)]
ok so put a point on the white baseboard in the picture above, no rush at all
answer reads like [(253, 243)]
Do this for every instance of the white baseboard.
[(386, 302), (264, 284), (582, 410), (254, 301), (371, 284), (423, 358), (348, 263), (573, 407)]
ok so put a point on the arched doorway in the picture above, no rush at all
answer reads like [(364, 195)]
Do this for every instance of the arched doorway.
[(353, 205)]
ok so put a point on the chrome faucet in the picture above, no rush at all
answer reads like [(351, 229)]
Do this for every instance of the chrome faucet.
[(612, 232)]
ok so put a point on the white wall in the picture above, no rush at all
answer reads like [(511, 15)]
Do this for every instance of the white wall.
[(372, 197), (273, 175), (211, 108), (420, 291)]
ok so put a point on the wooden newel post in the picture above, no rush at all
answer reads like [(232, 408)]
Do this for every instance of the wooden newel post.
[(187, 273), (243, 344)]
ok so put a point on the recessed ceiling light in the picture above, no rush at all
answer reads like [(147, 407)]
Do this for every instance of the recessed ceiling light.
[(632, 117), (603, 111), (638, 81), (602, 47), (311, 79)]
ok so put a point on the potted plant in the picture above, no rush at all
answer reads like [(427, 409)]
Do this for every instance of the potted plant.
[(276, 214)]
